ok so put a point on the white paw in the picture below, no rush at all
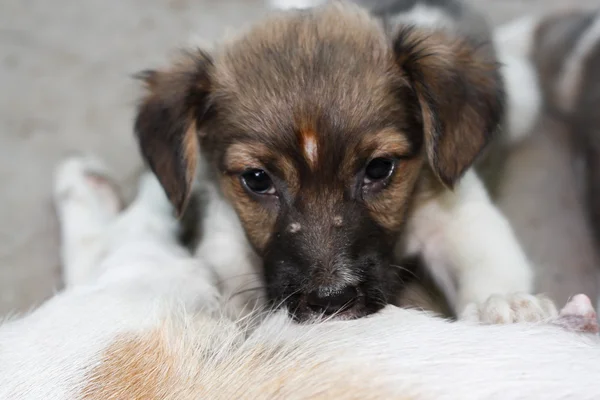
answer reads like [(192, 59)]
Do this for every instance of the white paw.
[(85, 182), (516, 307)]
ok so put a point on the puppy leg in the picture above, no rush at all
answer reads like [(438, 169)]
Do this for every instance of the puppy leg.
[(143, 283), (102, 247), (469, 245), (140, 250), (86, 203), (143, 248), (514, 43)]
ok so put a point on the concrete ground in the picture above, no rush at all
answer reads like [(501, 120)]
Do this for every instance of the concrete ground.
[(65, 87)]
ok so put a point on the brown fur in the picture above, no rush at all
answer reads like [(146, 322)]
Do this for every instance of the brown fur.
[(390, 210), (385, 209), (257, 220), (167, 364), (458, 91), (167, 123), (334, 77), (133, 368)]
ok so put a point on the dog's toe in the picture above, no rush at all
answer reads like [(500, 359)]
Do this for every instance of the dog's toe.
[(516, 307), (496, 310), (578, 315)]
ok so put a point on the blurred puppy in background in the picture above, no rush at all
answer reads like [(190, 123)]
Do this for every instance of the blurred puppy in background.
[(334, 143), (565, 48)]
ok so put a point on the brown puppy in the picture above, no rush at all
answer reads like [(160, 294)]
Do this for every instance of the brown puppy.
[(327, 131)]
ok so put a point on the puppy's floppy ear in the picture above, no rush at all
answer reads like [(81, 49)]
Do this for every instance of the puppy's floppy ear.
[(167, 121), (460, 93)]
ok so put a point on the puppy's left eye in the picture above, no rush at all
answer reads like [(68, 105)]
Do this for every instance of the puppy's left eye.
[(378, 170), (258, 181)]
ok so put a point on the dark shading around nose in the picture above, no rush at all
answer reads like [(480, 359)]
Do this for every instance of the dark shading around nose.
[(331, 301)]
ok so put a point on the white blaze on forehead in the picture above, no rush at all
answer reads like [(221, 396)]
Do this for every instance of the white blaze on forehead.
[(308, 142), (310, 149)]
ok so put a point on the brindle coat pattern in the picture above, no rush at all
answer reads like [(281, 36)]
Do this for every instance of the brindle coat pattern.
[(333, 75)]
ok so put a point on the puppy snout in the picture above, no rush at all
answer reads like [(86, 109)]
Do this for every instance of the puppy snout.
[(328, 301)]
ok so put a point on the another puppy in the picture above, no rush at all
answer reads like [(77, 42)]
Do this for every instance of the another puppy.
[(343, 141), (142, 319), (566, 50)]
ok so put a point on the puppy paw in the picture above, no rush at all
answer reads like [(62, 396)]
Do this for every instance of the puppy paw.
[(84, 182), (512, 308), (578, 315)]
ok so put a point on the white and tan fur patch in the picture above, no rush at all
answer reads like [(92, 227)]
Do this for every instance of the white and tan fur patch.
[(146, 322)]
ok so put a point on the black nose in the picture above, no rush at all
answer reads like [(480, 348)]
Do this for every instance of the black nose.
[(327, 301)]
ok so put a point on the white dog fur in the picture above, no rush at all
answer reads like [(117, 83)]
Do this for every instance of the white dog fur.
[(142, 318)]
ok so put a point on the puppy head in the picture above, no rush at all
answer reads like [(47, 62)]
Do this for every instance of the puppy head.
[(319, 127)]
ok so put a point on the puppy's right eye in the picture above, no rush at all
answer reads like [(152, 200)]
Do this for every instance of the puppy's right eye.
[(258, 181), (379, 169)]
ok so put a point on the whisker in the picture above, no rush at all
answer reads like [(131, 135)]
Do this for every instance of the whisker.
[(286, 299), (257, 275), (404, 269), (240, 292)]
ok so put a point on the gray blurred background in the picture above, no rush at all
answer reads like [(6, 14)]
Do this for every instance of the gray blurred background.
[(65, 87)]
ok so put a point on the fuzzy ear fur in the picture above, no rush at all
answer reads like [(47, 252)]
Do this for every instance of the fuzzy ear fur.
[(461, 95), (168, 120)]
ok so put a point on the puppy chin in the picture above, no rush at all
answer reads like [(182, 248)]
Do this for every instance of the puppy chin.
[(300, 313)]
